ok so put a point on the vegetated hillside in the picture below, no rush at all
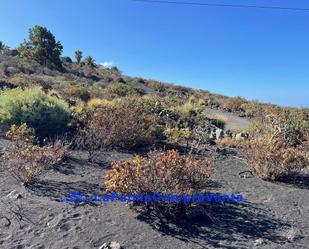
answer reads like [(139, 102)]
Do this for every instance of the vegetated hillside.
[(77, 82), (100, 107), (38, 62)]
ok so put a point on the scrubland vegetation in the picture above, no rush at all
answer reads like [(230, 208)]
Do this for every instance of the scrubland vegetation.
[(124, 123), (26, 159), (46, 96), (279, 143), (160, 172)]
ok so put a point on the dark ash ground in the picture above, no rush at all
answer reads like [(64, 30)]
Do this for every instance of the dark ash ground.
[(274, 215)]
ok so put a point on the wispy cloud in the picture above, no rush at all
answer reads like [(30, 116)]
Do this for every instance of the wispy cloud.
[(107, 64)]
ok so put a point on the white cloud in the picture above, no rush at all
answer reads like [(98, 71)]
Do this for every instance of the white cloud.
[(107, 64)]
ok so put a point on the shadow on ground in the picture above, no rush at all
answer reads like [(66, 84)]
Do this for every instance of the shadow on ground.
[(59, 189), (296, 180), (218, 225)]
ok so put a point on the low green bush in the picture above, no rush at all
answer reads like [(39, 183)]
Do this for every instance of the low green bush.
[(48, 115), (122, 90)]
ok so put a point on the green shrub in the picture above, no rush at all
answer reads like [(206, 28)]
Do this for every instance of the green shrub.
[(178, 135), (156, 86), (189, 115), (122, 90), (75, 91), (48, 115)]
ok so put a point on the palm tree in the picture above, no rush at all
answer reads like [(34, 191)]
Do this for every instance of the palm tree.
[(2, 46), (78, 56), (89, 61)]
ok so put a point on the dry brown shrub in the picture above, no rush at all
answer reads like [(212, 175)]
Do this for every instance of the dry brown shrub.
[(25, 160), (269, 160), (253, 109), (124, 123), (230, 143), (289, 125), (280, 143), (156, 86), (164, 172), (235, 104)]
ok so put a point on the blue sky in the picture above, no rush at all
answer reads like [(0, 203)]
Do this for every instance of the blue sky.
[(257, 54)]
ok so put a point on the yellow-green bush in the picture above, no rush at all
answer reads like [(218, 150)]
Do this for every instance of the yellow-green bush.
[(19, 80), (252, 108), (189, 115), (122, 90), (76, 91), (290, 125), (178, 135), (188, 110), (201, 102), (26, 81), (192, 99), (98, 102), (156, 86), (48, 115)]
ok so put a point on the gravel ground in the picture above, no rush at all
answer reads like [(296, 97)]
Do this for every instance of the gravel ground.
[(232, 121)]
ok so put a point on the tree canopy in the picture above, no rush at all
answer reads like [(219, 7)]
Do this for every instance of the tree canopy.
[(42, 47)]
